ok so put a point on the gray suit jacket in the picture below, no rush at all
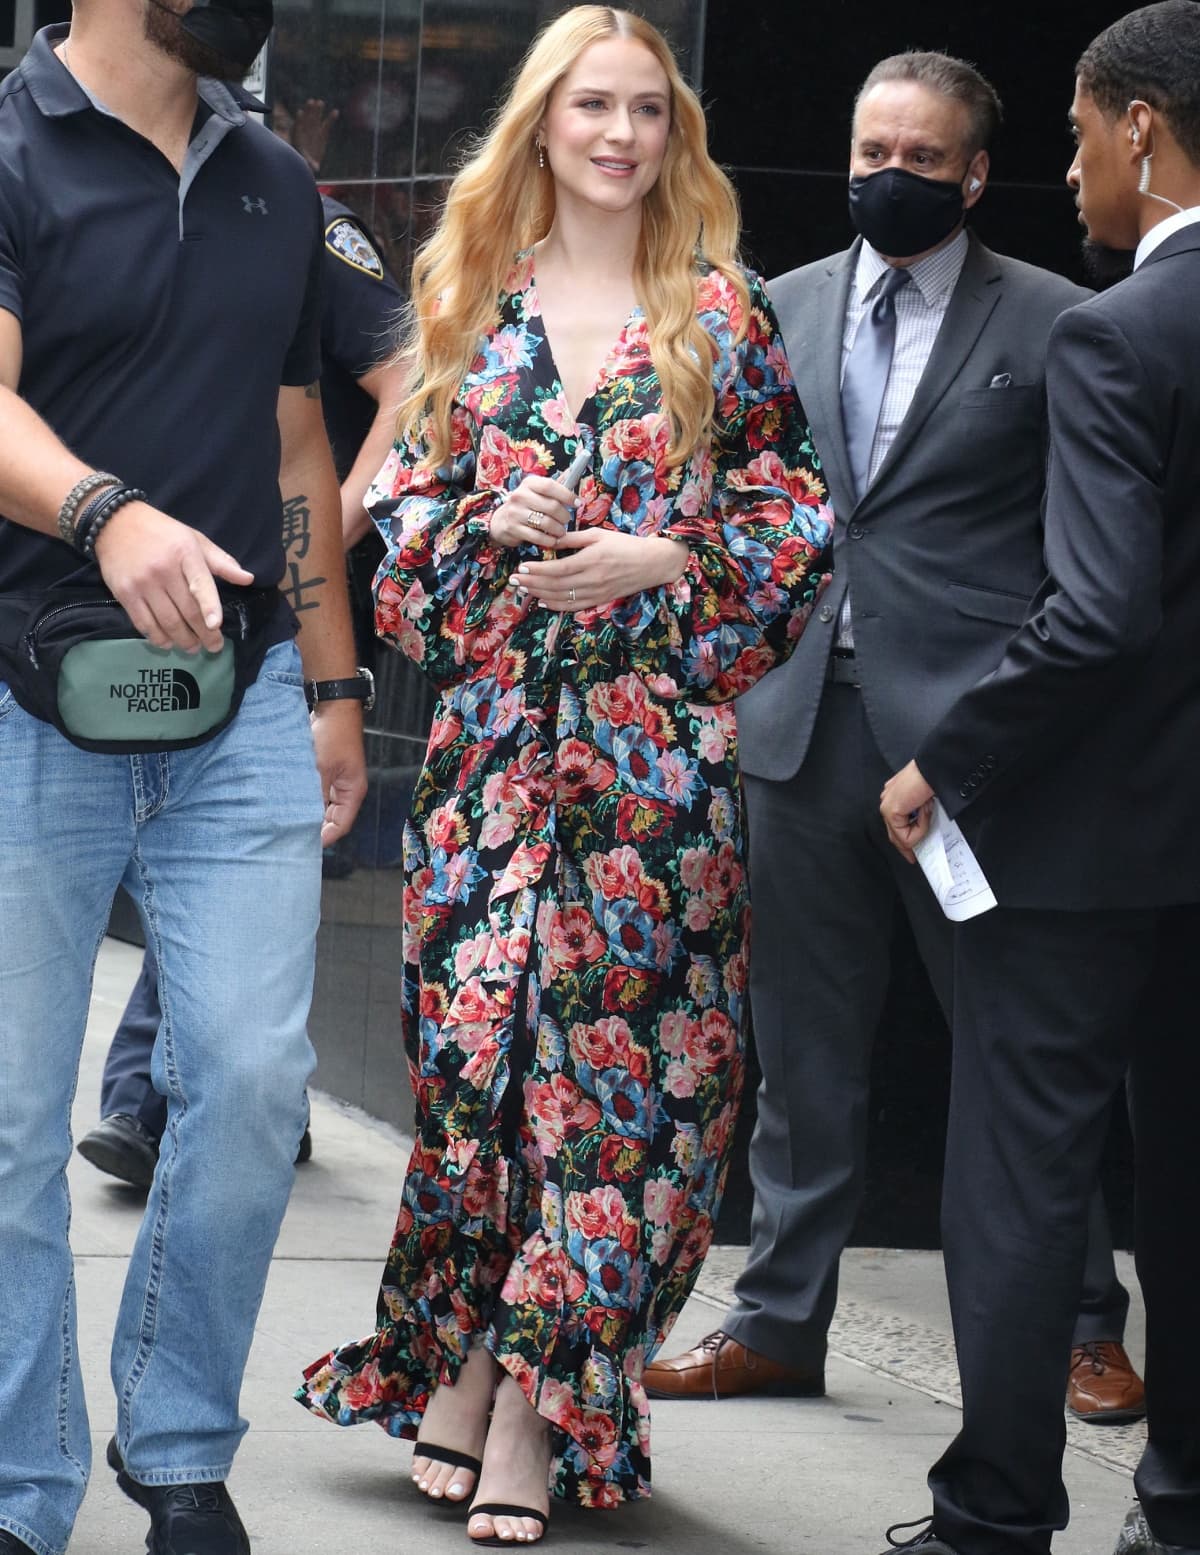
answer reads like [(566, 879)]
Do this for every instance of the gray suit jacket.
[(944, 552)]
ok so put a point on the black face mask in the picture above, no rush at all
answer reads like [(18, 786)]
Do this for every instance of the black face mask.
[(225, 36), (234, 29), (901, 214)]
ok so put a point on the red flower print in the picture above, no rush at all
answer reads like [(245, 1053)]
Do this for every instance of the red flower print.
[(640, 820), (602, 1046), (596, 1433), (615, 874), (723, 876), (495, 458), (602, 1213), (620, 1158), (580, 769), (445, 828), (711, 1041), (433, 1001), (628, 990)]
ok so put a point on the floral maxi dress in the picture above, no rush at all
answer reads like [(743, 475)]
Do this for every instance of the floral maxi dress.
[(575, 906)]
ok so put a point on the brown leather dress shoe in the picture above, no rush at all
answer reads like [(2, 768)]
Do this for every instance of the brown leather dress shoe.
[(720, 1367), (1103, 1387)]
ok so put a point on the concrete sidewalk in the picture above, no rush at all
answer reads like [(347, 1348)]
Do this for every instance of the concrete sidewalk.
[(811, 1477)]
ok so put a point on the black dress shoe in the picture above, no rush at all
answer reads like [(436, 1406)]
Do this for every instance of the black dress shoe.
[(122, 1147), (185, 1519), (304, 1153)]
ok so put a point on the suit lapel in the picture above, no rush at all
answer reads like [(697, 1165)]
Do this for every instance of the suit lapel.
[(976, 293), (816, 360)]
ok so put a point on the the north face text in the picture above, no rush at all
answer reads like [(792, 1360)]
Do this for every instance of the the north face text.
[(159, 691)]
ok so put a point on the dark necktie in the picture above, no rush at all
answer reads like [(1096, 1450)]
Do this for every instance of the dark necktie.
[(866, 375)]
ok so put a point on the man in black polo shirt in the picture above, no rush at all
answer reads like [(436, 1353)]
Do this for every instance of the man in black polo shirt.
[(360, 388), (159, 320)]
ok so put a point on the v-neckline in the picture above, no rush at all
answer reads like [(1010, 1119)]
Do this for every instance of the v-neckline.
[(534, 311)]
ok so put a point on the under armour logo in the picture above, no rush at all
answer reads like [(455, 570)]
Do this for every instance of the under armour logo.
[(251, 204)]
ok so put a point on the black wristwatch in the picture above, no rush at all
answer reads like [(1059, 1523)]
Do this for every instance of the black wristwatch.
[(360, 686)]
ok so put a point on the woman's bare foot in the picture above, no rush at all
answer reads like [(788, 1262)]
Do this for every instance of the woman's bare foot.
[(516, 1469), (457, 1418)]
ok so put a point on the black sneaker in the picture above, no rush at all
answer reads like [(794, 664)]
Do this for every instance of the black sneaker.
[(1137, 1537), (185, 1519), (122, 1147)]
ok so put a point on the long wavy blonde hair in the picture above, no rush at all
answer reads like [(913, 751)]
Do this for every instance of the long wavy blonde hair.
[(501, 202)]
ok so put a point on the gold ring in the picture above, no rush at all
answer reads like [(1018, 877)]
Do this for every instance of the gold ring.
[(571, 595), (535, 520)]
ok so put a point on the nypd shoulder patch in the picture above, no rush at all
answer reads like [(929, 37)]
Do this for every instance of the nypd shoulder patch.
[(351, 244)]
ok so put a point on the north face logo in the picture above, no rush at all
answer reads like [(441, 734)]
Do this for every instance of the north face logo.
[(185, 693), (158, 691)]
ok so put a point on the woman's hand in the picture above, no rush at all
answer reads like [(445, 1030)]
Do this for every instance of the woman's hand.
[(604, 565), (536, 513)]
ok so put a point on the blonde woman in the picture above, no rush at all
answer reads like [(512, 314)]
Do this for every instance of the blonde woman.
[(575, 908)]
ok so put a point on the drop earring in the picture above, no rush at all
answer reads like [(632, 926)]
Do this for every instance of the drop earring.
[(541, 151)]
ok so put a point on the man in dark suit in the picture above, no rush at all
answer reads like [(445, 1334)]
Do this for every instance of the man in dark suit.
[(1069, 769), (937, 485)]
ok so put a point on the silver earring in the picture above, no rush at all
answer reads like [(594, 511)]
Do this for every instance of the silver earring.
[(541, 150), (1144, 176)]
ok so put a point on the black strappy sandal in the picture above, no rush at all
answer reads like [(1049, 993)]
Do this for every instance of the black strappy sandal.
[(503, 1509), (456, 1459)]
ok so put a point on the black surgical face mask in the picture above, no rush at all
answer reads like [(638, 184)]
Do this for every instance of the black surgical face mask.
[(901, 214), (221, 37)]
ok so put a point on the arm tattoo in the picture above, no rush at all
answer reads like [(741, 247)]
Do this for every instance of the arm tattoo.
[(295, 587), (297, 535), (312, 391), (297, 519)]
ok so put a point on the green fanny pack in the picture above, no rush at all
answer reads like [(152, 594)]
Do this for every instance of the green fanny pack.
[(74, 659)]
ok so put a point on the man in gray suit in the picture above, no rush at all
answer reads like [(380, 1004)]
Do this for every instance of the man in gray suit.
[(923, 378)]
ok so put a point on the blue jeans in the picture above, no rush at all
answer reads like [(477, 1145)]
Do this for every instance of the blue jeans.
[(220, 847)]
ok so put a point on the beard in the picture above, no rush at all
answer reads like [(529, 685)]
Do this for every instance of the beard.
[(163, 27), (1104, 267)]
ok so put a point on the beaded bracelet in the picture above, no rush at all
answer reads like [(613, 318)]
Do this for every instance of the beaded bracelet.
[(99, 513), (69, 511), (89, 510)]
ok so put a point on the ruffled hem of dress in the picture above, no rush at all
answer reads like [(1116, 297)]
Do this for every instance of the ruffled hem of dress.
[(394, 1393)]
